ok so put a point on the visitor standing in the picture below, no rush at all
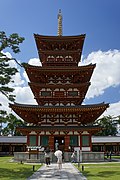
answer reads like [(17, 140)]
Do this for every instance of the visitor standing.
[(110, 155), (73, 157), (56, 145), (107, 154), (58, 154), (47, 156)]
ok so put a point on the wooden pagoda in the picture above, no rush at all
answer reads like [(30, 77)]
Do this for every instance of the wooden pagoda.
[(59, 87)]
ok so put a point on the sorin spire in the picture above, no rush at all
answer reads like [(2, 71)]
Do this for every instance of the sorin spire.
[(59, 23)]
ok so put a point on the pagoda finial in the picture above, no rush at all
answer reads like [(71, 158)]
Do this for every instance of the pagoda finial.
[(59, 23)]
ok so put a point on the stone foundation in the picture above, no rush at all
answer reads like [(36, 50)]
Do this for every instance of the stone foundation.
[(39, 157)]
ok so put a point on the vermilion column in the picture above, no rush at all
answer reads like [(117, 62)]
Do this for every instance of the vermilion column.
[(67, 142), (51, 142), (80, 142), (37, 139), (28, 140), (90, 141)]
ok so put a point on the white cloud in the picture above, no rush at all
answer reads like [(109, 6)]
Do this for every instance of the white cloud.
[(113, 110), (4, 102), (17, 80), (25, 76), (106, 73), (12, 63), (24, 95), (35, 62)]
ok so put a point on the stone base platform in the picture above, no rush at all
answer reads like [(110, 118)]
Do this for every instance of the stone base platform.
[(39, 157)]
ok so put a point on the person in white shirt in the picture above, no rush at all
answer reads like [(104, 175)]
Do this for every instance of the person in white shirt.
[(58, 154)]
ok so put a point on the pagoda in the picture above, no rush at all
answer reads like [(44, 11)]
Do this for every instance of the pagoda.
[(59, 87)]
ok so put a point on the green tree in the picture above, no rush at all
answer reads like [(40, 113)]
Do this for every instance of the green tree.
[(11, 42), (118, 119), (12, 123), (3, 115), (108, 124)]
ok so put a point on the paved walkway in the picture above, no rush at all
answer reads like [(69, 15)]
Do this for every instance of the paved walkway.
[(68, 172)]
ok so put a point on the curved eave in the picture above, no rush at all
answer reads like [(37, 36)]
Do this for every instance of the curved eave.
[(41, 74), (34, 113), (54, 69), (56, 38), (58, 109), (59, 128), (52, 129), (48, 44)]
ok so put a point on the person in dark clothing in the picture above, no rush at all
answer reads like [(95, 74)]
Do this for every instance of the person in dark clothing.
[(47, 156), (110, 154), (107, 154)]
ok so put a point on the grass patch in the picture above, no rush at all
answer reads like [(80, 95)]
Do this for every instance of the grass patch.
[(101, 171), (116, 157), (11, 170)]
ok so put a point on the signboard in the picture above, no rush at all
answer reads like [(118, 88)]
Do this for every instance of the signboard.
[(35, 148)]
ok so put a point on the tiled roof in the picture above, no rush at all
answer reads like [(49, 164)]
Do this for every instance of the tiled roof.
[(95, 139), (100, 105), (59, 128), (61, 68), (58, 37), (13, 139), (105, 139)]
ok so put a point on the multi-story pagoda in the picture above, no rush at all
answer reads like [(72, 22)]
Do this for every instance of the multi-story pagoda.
[(59, 87)]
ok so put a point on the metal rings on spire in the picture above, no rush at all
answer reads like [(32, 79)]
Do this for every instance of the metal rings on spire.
[(59, 23)]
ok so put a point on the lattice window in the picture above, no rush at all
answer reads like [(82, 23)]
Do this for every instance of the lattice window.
[(73, 140), (72, 93), (32, 141), (45, 93), (85, 141), (44, 140)]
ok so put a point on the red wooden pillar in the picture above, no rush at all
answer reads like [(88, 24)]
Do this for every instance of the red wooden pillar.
[(37, 139), (51, 142), (67, 142), (28, 140), (90, 142), (80, 141)]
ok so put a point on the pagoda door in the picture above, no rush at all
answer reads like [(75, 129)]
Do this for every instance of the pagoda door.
[(59, 143)]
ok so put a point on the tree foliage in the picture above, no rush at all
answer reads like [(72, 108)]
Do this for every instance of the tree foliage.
[(3, 115), (108, 123), (6, 72), (12, 123), (7, 43)]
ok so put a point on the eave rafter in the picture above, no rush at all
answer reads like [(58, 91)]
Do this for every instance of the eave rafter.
[(59, 42), (36, 114), (40, 75), (80, 129)]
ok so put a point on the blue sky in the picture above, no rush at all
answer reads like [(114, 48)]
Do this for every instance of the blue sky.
[(98, 19)]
